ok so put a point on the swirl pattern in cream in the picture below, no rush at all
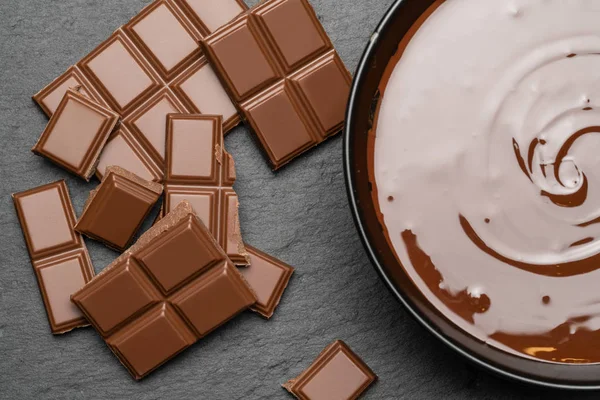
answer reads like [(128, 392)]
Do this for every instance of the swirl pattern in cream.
[(487, 168)]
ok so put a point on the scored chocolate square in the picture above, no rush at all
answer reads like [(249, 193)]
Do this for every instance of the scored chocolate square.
[(281, 70), (58, 254), (268, 277), (76, 133), (337, 373), (171, 288), (116, 209), (200, 171), (148, 68)]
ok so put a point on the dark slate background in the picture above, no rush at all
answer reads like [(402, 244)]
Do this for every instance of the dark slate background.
[(299, 214)]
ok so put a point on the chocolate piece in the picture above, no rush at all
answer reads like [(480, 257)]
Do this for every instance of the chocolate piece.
[(58, 254), (200, 171), (268, 277), (277, 60), (124, 149), (76, 134), (150, 67), (116, 209), (337, 374), (171, 288), (49, 98)]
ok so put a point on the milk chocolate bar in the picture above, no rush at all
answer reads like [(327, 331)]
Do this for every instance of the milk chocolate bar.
[(337, 373), (280, 68), (76, 133), (199, 170), (268, 277), (148, 68), (58, 254), (116, 209), (171, 288)]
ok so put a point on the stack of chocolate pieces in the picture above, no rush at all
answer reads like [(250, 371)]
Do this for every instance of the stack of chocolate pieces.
[(147, 112)]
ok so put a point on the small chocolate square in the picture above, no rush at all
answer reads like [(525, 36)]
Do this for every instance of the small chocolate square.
[(165, 38), (294, 30), (338, 373), (76, 133), (117, 208), (243, 58), (120, 73), (178, 256), (279, 125)]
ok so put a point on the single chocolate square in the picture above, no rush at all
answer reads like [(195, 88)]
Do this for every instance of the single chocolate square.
[(268, 277), (338, 373), (171, 288), (120, 73), (208, 16), (116, 209), (76, 133), (125, 150), (283, 73), (165, 38)]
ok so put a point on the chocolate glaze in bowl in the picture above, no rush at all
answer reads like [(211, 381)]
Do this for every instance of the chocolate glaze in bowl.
[(402, 20)]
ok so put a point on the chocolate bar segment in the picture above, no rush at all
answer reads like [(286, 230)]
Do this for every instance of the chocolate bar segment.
[(276, 60), (49, 98), (200, 171), (148, 68), (58, 254), (268, 277), (76, 134), (208, 15), (116, 209), (124, 149), (337, 373), (171, 288)]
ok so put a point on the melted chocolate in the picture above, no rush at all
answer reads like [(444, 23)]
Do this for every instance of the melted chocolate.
[(486, 175)]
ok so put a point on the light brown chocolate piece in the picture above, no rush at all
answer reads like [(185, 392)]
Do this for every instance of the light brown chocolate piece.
[(58, 254), (200, 171), (268, 277), (337, 374), (76, 134), (116, 209)]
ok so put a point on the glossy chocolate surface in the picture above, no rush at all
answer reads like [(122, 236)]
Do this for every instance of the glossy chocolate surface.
[(116, 209), (268, 277), (172, 287), (58, 254), (76, 133), (277, 60), (200, 171), (148, 68), (337, 374)]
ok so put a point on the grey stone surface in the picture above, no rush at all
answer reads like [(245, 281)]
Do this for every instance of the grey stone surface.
[(299, 214)]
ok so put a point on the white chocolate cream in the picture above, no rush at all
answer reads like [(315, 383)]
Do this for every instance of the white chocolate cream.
[(487, 168)]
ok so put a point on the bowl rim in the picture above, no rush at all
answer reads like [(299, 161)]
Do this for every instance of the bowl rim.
[(348, 158)]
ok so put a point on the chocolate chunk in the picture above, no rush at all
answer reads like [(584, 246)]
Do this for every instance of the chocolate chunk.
[(58, 254), (281, 69), (76, 134), (123, 148), (171, 288), (268, 277), (116, 209), (150, 67), (200, 171), (337, 374)]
